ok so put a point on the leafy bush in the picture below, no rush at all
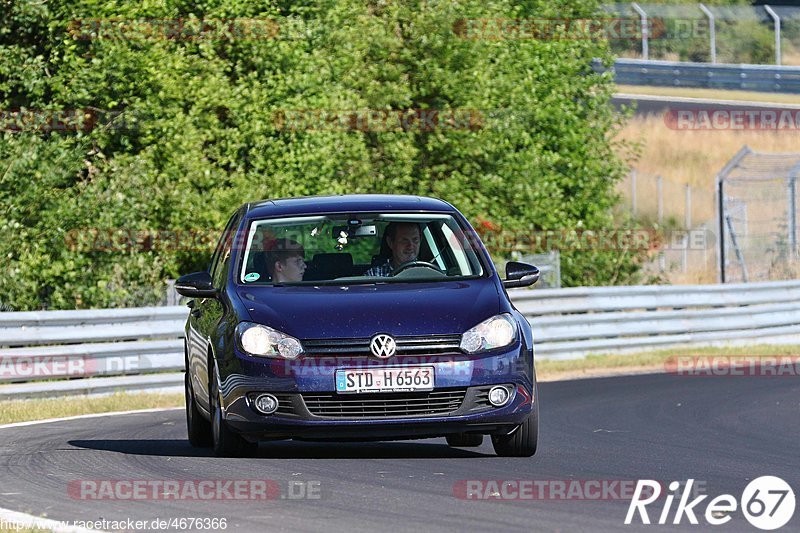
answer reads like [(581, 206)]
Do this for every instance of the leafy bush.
[(198, 134)]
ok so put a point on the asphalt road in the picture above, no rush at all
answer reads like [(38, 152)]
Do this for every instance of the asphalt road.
[(721, 431), (658, 105)]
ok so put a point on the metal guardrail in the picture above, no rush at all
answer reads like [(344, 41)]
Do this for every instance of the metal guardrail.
[(765, 78), (570, 323), (567, 323)]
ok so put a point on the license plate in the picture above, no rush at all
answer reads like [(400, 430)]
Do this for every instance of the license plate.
[(392, 379)]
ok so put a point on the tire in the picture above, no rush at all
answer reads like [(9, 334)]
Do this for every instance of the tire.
[(524, 441), (197, 427), (226, 442), (464, 440)]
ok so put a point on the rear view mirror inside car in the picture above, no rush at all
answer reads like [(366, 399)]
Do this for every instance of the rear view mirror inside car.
[(355, 231)]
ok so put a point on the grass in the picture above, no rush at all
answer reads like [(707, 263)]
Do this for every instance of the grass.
[(40, 409), (712, 94), (596, 365), (695, 157), (691, 157)]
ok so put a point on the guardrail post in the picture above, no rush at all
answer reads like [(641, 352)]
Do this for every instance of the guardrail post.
[(777, 21), (712, 33), (645, 34)]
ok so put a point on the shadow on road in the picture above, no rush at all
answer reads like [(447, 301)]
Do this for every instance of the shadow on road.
[(290, 449)]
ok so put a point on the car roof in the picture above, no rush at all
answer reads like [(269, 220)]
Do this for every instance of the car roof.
[(345, 203)]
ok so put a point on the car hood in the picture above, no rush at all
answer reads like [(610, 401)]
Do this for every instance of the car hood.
[(360, 311)]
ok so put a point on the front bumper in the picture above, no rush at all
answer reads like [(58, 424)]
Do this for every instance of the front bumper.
[(309, 407)]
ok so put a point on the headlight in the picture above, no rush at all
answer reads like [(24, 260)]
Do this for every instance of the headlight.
[(495, 332), (263, 341)]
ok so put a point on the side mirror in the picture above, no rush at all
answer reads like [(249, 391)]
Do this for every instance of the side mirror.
[(519, 275), (196, 285)]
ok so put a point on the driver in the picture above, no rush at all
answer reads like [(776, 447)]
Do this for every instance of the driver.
[(403, 240)]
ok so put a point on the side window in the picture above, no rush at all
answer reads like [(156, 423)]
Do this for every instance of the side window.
[(223, 253)]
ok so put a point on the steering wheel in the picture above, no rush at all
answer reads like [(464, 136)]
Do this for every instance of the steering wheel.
[(409, 264)]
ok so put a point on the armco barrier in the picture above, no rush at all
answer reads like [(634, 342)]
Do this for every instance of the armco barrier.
[(767, 78), (142, 349)]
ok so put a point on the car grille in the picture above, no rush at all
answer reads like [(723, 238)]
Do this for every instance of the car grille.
[(284, 404), (424, 344), (383, 405), (482, 397)]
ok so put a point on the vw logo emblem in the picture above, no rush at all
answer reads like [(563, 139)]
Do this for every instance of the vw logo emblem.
[(383, 346)]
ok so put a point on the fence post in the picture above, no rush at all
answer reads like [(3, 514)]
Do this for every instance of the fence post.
[(712, 32), (721, 226), (792, 217), (645, 44), (172, 294), (687, 215), (736, 248), (730, 165), (660, 186), (777, 21)]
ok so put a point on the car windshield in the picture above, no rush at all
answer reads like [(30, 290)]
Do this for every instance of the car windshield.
[(358, 248)]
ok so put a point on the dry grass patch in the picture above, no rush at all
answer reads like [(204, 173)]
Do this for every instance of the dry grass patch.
[(695, 157), (41, 409)]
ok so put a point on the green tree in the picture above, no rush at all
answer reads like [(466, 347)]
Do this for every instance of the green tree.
[(196, 129)]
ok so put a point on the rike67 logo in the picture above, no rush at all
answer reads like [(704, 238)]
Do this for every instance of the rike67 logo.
[(767, 503)]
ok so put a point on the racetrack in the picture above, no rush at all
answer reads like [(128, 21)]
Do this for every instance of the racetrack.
[(723, 431), (658, 105)]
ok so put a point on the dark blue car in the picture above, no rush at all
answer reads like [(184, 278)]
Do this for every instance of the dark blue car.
[(363, 317)]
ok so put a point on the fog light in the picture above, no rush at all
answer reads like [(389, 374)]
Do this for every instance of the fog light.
[(266, 404), (499, 396)]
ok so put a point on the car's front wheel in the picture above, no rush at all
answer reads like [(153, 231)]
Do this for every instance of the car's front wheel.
[(198, 428), (522, 442), (227, 443)]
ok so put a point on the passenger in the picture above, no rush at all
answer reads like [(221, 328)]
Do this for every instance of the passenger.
[(403, 240), (285, 261)]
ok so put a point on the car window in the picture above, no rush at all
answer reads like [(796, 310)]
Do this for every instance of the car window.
[(222, 254), (356, 248)]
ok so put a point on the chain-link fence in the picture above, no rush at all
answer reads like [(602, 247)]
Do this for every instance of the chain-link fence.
[(684, 215), (758, 217), (714, 34)]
